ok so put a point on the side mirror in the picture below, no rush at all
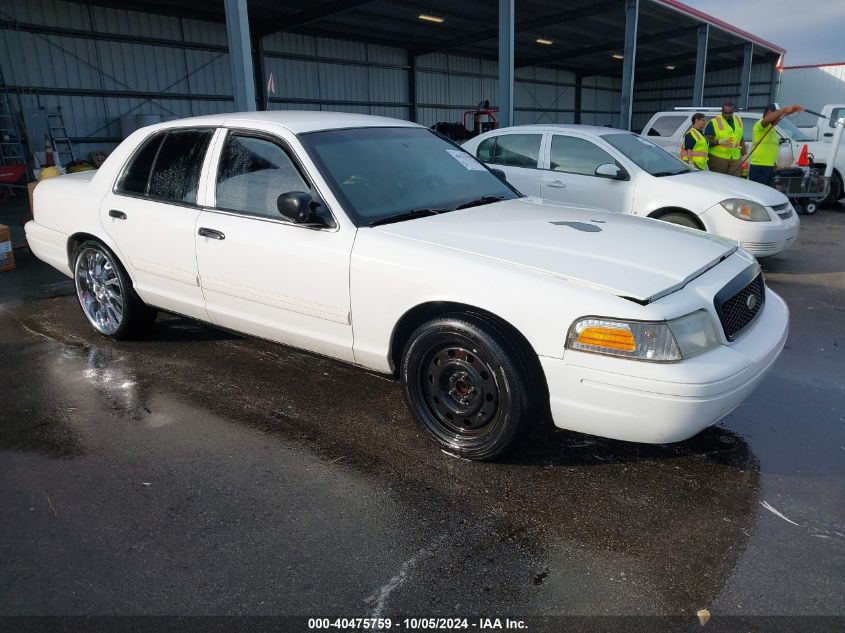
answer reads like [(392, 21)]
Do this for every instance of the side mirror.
[(612, 171), (499, 173), (300, 208)]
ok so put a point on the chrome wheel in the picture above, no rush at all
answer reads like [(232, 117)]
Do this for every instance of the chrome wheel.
[(100, 291)]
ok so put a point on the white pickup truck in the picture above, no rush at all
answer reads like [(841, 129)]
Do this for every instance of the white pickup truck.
[(825, 124), (667, 128)]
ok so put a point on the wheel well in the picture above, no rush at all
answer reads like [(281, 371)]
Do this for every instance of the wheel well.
[(418, 315), (73, 243), (836, 173), (659, 213)]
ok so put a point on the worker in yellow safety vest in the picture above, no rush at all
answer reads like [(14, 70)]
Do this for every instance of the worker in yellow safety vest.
[(766, 142), (694, 147), (724, 136)]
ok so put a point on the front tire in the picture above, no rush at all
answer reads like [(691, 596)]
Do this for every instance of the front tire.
[(681, 219), (106, 295), (468, 385)]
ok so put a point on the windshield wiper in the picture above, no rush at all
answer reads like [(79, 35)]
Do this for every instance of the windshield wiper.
[(478, 202), (669, 173), (407, 215)]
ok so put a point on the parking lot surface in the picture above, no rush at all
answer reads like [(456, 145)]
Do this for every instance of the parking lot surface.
[(199, 472)]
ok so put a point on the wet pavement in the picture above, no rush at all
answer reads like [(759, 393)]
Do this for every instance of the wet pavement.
[(199, 472)]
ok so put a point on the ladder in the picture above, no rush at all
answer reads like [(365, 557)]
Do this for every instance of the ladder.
[(58, 133), (11, 149)]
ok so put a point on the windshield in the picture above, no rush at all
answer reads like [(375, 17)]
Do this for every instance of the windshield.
[(380, 172), (789, 129), (646, 154)]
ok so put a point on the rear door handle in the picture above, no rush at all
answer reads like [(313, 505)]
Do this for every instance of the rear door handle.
[(556, 184), (215, 235), (117, 215)]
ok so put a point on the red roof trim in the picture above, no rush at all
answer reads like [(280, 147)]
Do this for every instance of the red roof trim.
[(814, 65), (705, 17)]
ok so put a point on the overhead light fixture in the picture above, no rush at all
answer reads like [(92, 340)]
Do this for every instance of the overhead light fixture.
[(670, 68), (431, 18), (543, 40), (618, 56)]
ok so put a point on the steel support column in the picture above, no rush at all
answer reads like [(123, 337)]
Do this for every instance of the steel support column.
[(240, 55), (412, 87), (700, 64), (262, 94), (579, 91), (506, 13), (629, 64), (745, 77)]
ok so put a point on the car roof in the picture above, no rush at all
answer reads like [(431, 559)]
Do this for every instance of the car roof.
[(553, 127), (297, 121)]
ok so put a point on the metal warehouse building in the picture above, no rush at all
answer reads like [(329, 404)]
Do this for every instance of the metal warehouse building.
[(612, 62)]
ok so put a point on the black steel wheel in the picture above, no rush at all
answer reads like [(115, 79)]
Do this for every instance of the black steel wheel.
[(106, 295), (468, 385)]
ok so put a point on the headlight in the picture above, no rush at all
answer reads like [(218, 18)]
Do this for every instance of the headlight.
[(657, 341), (746, 210)]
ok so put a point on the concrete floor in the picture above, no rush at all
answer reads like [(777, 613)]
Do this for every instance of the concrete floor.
[(202, 473)]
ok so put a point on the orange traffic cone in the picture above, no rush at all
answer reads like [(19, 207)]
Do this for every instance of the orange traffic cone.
[(803, 159)]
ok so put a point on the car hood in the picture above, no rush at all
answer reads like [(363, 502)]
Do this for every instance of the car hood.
[(631, 257), (721, 187)]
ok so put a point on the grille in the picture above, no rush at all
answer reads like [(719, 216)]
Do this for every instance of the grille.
[(784, 210), (735, 312)]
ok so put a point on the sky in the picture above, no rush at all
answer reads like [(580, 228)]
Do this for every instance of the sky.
[(812, 31)]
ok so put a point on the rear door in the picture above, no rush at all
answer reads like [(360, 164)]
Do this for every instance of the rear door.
[(517, 154), (570, 176), (151, 214)]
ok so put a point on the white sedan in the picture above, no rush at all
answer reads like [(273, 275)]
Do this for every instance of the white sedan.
[(624, 172), (377, 242)]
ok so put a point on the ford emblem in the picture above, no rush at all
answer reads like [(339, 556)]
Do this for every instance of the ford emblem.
[(751, 302)]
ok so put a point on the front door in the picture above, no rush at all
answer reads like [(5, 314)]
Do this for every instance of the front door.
[(261, 274), (151, 215), (571, 175)]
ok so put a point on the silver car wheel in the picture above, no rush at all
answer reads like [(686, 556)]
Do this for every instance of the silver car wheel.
[(99, 289)]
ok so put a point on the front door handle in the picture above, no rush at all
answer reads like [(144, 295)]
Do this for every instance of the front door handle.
[(556, 184), (117, 215), (215, 235)]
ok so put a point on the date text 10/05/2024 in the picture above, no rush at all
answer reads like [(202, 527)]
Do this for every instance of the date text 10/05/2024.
[(384, 624)]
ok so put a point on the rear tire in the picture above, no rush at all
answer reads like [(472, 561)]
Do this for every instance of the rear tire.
[(106, 295), (682, 219), (469, 385)]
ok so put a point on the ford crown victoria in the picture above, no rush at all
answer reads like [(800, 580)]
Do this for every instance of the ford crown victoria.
[(377, 242)]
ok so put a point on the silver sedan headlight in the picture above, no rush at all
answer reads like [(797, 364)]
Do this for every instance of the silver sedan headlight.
[(746, 210), (655, 341)]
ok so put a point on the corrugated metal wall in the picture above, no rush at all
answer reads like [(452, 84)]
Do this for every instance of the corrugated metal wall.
[(95, 81), (719, 86), (813, 88), (117, 63), (185, 72)]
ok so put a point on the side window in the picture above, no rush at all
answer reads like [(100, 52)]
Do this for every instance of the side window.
[(577, 155), (484, 153), (176, 172), (667, 125), (137, 174), (253, 173), (517, 150)]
